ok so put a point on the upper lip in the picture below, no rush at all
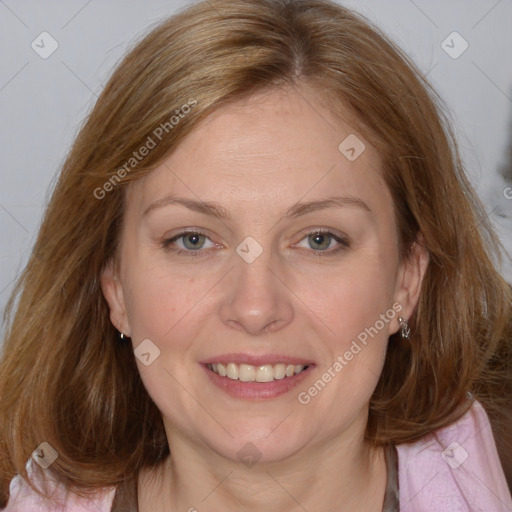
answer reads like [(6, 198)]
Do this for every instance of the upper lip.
[(256, 360)]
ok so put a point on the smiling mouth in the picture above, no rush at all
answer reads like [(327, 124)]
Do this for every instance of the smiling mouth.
[(259, 373)]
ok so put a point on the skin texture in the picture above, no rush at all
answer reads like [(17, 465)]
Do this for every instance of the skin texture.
[(257, 158)]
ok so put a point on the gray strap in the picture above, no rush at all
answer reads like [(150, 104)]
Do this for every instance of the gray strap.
[(391, 498)]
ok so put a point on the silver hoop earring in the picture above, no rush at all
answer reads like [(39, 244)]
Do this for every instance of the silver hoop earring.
[(405, 332), (123, 337)]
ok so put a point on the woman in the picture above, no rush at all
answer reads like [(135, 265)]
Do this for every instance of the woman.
[(263, 282)]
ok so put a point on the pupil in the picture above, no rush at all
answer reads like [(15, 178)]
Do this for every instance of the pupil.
[(319, 238), (193, 240)]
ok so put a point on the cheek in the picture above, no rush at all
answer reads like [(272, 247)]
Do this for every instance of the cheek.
[(353, 297), (355, 304), (358, 309), (162, 307), (160, 299)]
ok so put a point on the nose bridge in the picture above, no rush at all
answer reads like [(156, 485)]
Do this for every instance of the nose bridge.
[(253, 278), (257, 299)]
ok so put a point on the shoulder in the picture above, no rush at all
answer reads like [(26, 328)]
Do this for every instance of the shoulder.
[(24, 499), (459, 473)]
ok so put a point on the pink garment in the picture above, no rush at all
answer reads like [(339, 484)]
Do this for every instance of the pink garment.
[(463, 474)]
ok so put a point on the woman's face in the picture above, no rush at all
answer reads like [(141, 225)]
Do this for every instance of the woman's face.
[(253, 288)]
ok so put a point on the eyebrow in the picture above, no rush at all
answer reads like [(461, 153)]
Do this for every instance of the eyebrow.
[(295, 211)]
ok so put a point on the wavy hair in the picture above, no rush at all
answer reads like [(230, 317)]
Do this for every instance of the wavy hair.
[(64, 377)]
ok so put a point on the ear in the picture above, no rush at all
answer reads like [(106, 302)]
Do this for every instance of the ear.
[(409, 279), (113, 292)]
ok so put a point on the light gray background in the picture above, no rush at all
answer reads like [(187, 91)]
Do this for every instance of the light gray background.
[(44, 101)]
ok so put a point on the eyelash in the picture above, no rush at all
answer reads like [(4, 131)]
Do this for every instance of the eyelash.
[(343, 244)]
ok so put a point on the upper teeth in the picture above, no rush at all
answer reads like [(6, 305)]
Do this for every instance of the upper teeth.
[(250, 373)]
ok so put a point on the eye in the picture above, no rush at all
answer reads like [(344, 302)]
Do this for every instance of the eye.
[(322, 243), (192, 243), (188, 242)]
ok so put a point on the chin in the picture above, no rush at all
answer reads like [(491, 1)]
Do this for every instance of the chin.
[(259, 443)]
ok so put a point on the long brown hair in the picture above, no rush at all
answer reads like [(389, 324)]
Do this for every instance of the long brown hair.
[(64, 376)]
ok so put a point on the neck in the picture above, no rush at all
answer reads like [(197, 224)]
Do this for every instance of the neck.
[(341, 475)]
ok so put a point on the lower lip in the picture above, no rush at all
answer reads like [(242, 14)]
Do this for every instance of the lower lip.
[(257, 390)]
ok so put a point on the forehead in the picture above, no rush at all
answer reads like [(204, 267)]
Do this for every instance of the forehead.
[(277, 146)]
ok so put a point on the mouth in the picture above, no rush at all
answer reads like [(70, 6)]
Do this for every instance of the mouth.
[(256, 377), (260, 373)]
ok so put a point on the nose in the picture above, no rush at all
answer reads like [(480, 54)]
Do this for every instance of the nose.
[(257, 299)]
